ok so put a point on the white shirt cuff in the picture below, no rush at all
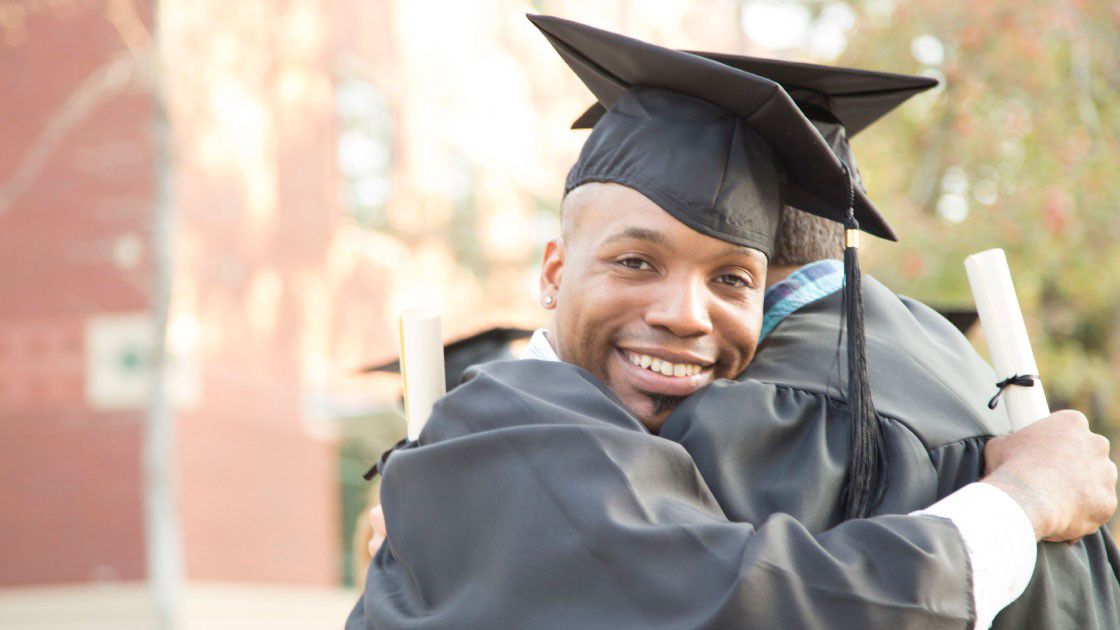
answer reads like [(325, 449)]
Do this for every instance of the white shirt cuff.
[(1000, 543)]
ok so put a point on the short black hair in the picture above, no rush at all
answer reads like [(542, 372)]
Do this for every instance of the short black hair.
[(804, 238)]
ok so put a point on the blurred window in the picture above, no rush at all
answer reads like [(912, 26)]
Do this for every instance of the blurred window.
[(365, 141)]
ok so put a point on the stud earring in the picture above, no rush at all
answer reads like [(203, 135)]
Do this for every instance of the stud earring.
[(548, 301)]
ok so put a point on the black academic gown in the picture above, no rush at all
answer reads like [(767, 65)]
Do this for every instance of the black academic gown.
[(776, 441), (536, 500)]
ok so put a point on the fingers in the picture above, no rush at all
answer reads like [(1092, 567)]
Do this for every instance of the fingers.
[(377, 520), (1077, 418), (377, 523), (1072, 417), (1100, 444), (375, 543)]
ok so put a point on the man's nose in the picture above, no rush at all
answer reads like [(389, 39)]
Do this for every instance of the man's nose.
[(681, 308)]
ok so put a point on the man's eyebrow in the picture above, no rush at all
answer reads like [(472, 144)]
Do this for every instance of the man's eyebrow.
[(738, 250), (642, 234)]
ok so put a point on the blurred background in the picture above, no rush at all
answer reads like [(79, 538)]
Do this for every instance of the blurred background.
[(211, 211)]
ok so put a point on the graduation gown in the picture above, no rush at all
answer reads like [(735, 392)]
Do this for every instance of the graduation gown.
[(534, 499), (776, 440)]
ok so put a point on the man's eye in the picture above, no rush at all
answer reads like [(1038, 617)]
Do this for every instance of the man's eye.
[(733, 280), (636, 264)]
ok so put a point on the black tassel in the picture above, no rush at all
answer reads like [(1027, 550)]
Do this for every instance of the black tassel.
[(867, 470)]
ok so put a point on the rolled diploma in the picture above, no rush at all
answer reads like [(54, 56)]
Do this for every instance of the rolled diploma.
[(1006, 332), (421, 365)]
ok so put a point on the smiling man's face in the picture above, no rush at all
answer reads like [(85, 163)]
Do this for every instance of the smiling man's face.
[(653, 308)]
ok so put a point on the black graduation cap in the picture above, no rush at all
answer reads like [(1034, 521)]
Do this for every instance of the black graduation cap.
[(856, 98), (964, 319), (611, 65), (493, 344), (705, 141), (840, 102)]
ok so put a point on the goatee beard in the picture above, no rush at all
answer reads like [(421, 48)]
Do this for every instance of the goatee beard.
[(663, 403)]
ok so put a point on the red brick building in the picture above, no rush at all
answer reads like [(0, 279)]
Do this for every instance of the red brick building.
[(248, 176), (326, 162), (78, 185)]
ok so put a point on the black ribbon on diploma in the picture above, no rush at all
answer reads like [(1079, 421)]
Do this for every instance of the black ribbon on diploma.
[(1022, 380), (379, 467)]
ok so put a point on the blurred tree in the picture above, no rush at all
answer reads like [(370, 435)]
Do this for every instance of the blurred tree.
[(1018, 150)]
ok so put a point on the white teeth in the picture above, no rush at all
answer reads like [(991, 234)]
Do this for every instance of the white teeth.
[(663, 367)]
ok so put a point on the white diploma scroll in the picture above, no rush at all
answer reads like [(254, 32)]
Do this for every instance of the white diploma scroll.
[(1006, 332), (421, 365)]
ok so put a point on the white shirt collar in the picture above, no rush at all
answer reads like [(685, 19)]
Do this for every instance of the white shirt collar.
[(539, 347)]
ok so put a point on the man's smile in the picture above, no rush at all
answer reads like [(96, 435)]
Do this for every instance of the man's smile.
[(654, 371), (663, 366)]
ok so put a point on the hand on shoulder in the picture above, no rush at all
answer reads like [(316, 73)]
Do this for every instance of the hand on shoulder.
[(1059, 472)]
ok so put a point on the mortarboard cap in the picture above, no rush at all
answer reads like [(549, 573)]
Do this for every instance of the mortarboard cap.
[(840, 102), (964, 319), (693, 135), (493, 344), (854, 97)]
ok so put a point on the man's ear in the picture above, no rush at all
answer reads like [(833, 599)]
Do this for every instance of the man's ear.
[(552, 268)]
